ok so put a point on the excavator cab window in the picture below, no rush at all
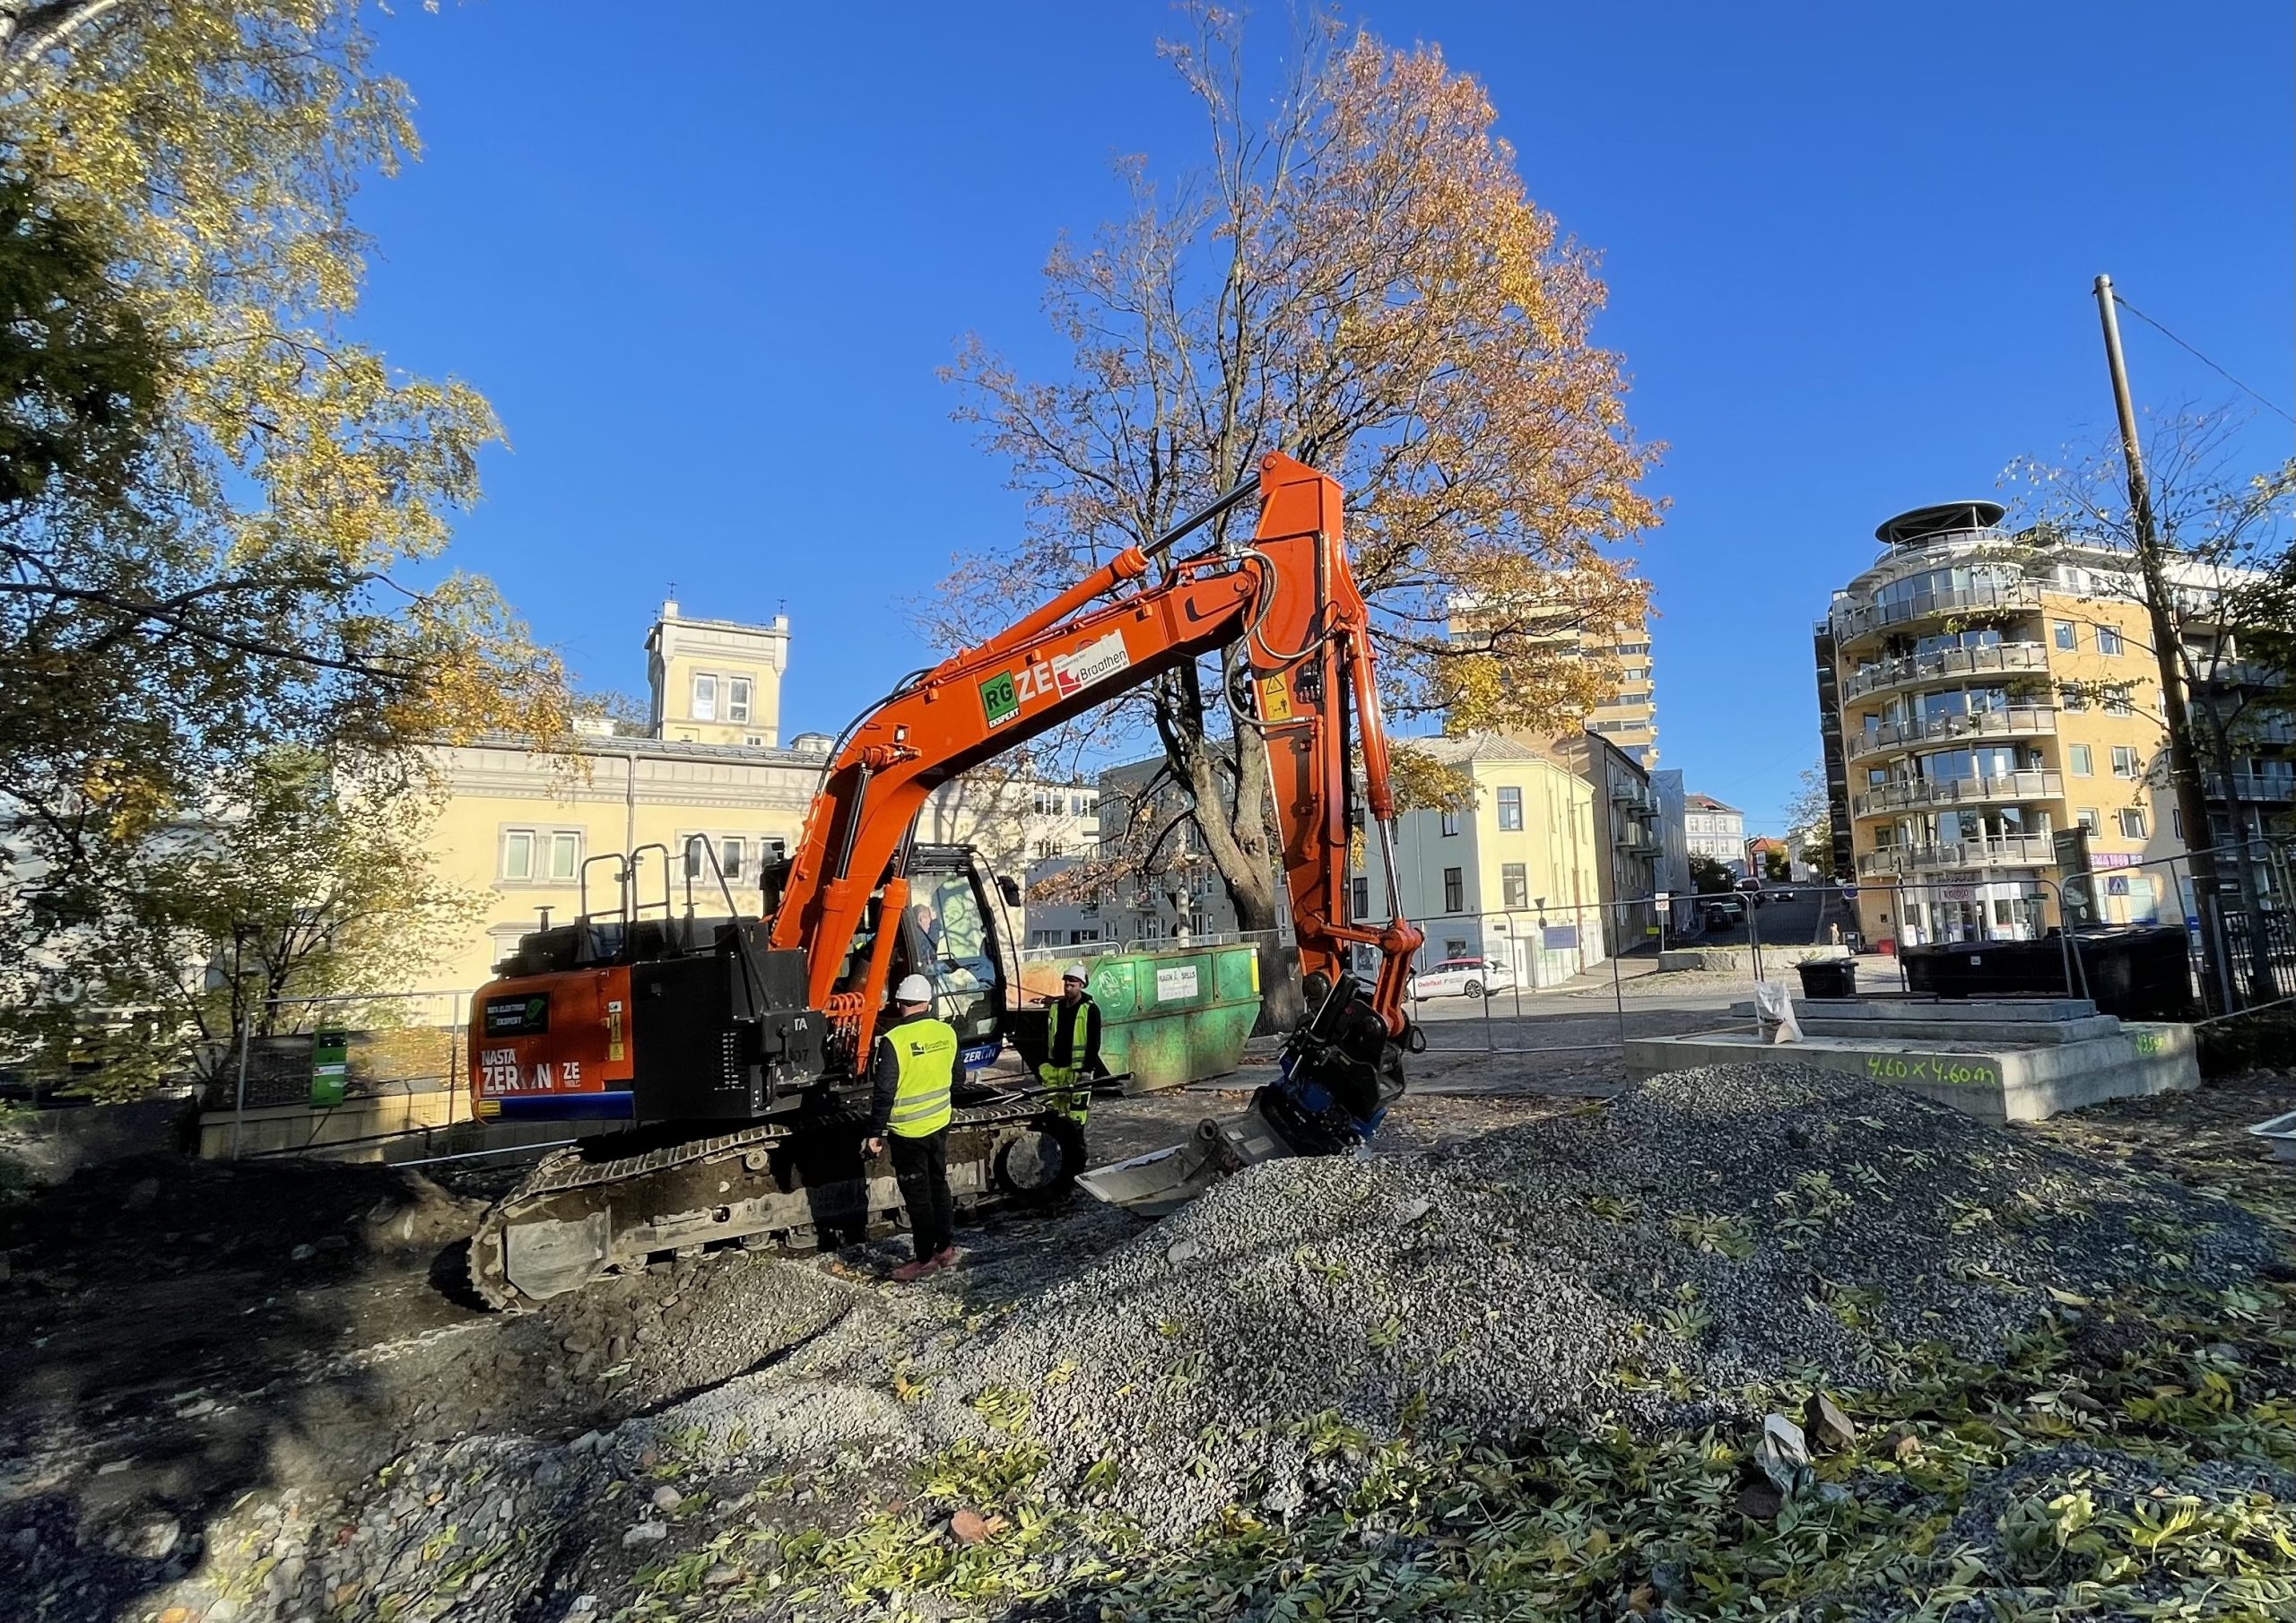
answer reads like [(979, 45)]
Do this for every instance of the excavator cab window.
[(946, 938)]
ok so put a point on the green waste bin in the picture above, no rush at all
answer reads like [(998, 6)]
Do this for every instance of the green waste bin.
[(1167, 1018)]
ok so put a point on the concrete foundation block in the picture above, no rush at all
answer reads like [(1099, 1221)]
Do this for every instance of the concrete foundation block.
[(2001, 1084)]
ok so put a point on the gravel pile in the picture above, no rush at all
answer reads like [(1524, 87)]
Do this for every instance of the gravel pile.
[(1645, 1262), (1713, 1229)]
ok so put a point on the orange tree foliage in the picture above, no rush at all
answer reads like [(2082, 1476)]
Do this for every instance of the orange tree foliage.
[(1363, 282)]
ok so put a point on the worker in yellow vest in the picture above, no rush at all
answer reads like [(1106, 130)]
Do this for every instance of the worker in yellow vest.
[(1072, 1059), (915, 1073)]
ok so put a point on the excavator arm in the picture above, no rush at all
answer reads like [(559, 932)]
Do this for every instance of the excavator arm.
[(1287, 594)]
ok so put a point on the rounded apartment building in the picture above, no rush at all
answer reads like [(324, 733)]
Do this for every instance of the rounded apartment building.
[(1983, 706)]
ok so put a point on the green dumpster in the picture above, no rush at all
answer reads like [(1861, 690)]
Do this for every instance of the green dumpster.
[(1174, 1016)]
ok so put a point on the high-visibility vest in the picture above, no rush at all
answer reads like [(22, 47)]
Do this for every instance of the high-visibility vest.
[(1071, 1033), (927, 1052)]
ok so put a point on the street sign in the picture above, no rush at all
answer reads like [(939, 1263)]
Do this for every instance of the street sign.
[(1849, 893), (1665, 897)]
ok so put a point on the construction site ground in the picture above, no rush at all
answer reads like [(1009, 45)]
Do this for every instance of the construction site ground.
[(238, 1392)]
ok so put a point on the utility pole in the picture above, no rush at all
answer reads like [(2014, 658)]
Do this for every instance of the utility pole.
[(2168, 644)]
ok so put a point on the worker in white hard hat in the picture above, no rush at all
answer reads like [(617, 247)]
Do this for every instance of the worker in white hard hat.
[(1072, 1060), (915, 1073)]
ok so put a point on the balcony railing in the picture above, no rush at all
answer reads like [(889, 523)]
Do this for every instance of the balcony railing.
[(1948, 662), (1920, 794), (2249, 787), (2007, 851), (2012, 722), (1859, 619)]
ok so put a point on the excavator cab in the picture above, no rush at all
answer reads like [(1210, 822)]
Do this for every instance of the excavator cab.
[(956, 931)]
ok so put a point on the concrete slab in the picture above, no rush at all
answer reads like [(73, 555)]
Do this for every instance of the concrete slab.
[(1782, 956), (2004, 1024), (1997, 1083)]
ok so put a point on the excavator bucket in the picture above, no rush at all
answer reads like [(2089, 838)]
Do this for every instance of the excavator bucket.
[(1159, 1183)]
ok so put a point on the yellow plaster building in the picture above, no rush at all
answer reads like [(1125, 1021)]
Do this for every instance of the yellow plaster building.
[(535, 834), (1515, 877)]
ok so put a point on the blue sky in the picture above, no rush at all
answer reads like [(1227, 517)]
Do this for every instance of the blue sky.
[(705, 267)]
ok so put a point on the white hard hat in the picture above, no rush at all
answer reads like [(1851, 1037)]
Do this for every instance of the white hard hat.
[(913, 989)]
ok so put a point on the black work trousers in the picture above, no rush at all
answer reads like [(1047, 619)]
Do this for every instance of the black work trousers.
[(921, 1168)]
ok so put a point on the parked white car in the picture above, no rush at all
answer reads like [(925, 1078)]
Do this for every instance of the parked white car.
[(1464, 977)]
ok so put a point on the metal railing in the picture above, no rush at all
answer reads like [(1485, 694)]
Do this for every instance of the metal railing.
[(2011, 850), (2250, 786), (1910, 668), (2009, 722), (1861, 619), (1917, 793)]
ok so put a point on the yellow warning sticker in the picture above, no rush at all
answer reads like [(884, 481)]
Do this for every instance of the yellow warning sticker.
[(1274, 699)]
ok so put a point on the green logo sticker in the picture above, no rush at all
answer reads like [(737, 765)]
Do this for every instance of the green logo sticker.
[(1000, 701)]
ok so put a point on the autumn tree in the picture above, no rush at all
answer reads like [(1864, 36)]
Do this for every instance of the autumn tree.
[(297, 881), (1359, 280), (226, 574), (238, 555), (1809, 820), (2229, 598)]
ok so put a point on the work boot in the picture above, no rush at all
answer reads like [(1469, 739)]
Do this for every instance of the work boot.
[(908, 1273), (946, 1257)]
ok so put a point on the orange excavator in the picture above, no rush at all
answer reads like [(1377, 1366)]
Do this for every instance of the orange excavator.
[(736, 1046)]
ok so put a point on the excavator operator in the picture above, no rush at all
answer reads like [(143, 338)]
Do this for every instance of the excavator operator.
[(1072, 1059), (914, 1076)]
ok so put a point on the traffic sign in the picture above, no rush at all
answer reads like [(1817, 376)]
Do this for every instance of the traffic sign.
[(1849, 893)]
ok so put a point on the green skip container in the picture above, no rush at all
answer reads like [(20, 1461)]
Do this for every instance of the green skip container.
[(1177, 1017)]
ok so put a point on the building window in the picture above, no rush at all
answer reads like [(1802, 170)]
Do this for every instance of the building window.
[(1450, 823), (519, 854), (737, 699), (1515, 884), (2072, 698), (565, 855), (2088, 819), (2108, 640), (1455, 891), (2066, 636), (1045, 848), (2132, 822), (753, 739), (2077, 757), (2124, 761), (2177, 823), (1511, 808), (705, 697), (2117, 702), (1359, 899), (730, 854)]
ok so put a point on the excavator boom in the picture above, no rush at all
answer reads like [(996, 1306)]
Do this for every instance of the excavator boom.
[(1287, 595)]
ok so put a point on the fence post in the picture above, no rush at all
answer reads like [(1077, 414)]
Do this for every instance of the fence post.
[(239, 1102), (1618, 991), (1754, 931)]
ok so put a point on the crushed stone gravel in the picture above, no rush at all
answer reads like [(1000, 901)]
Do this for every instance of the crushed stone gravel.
[(1641, 1261)]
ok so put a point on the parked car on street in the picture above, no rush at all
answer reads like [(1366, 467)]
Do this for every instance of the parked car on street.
[(1463, 978), (1724, 913)]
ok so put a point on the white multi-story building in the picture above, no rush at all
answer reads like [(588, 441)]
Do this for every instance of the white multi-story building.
[(1710, 829)]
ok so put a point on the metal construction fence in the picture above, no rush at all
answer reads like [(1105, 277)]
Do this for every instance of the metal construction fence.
[(344, 1048)]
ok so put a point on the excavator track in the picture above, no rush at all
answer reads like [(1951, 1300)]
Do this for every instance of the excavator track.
[(791, 1186)]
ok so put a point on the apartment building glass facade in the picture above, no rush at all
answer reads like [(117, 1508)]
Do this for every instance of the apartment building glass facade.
[(1986, 698)]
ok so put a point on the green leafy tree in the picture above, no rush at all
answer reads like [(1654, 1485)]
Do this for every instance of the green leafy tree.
[(297, 882), (220, 517), (1709, 877)]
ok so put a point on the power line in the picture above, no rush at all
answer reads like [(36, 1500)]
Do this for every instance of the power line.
[(2196, 355)]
